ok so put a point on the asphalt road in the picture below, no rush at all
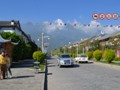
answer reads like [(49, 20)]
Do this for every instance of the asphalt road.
[(89, 76)]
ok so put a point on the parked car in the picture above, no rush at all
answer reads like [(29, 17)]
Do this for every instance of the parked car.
[(48, 56), (65, 60), (81, 58)]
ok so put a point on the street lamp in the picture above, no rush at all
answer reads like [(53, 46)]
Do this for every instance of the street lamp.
[(77, 49), (64, 49), (38, 42), (43, 41), (76, 45)]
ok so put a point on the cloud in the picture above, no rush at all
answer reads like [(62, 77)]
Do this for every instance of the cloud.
[(52, 26), (92, 27), (104, 28), (66, 32)]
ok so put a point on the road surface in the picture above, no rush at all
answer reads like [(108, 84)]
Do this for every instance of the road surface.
[(89, 76)]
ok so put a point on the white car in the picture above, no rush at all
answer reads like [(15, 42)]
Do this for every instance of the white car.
[(81, 58), (65, 60)]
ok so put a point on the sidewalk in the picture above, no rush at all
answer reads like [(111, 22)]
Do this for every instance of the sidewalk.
[(24, 78), (108, 65)]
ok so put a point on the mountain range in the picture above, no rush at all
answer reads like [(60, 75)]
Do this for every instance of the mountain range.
[(60, 34)]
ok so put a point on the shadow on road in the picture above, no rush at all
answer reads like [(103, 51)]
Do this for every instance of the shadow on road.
[(49, 73), (74, 66), (23, 64), (52, 65), (18, 77), (86, 63)]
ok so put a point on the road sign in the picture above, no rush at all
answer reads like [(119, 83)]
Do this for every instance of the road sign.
[(95, 16), (46, 44), (45, 51), (108, 16), (115, 16), (102, 16)]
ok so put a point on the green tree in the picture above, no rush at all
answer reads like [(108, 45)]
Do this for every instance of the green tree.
[(39, 56), (109, 55), (89, 54), (97, 55), (22, 50)]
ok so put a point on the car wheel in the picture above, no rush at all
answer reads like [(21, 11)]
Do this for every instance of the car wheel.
[(72, 65), (59, 66)]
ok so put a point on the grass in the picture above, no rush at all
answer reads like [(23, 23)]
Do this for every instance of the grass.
[(42, 67), (117, 63)]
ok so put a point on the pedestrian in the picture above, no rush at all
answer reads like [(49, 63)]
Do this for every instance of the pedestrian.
[(3, 64), (9, 62)]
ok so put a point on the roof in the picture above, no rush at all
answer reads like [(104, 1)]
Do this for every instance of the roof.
[(104, 37), (11, 23), (14, 24), (110, 35), (3, 40)]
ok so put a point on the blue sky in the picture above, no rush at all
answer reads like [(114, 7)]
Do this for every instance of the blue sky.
[(49, 10)]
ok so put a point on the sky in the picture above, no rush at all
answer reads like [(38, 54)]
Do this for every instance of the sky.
[(37, 11)]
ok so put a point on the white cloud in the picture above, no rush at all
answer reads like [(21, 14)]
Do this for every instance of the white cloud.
[(110, 30), (56, 25), (94, 22), (59, 22), (94, 26)]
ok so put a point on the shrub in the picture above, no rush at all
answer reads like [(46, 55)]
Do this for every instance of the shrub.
[(89, 54), (109, 55), (73, 55), (97, 55), (39, 56), (117, 58)]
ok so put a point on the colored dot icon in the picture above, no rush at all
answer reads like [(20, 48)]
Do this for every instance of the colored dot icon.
[(107, 16), (95, 16), (102, 16), (115, 16)]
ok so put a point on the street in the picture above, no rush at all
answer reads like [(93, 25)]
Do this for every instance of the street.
[(83, 76)]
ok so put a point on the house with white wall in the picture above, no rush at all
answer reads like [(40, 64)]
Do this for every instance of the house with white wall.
[(14, 27)]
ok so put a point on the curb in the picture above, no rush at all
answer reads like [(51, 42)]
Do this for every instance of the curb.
[(45, 77), (43, 81)]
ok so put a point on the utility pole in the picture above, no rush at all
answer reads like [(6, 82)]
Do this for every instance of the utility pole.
[(83, 50), (77, 50), (42, 42)]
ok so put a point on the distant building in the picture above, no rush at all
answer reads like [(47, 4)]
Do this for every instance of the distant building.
[(14, 27)]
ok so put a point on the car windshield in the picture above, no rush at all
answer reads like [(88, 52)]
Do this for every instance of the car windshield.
[(65, 56), (83, 56)]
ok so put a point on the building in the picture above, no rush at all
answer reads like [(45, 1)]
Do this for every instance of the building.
[(14, 27)]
